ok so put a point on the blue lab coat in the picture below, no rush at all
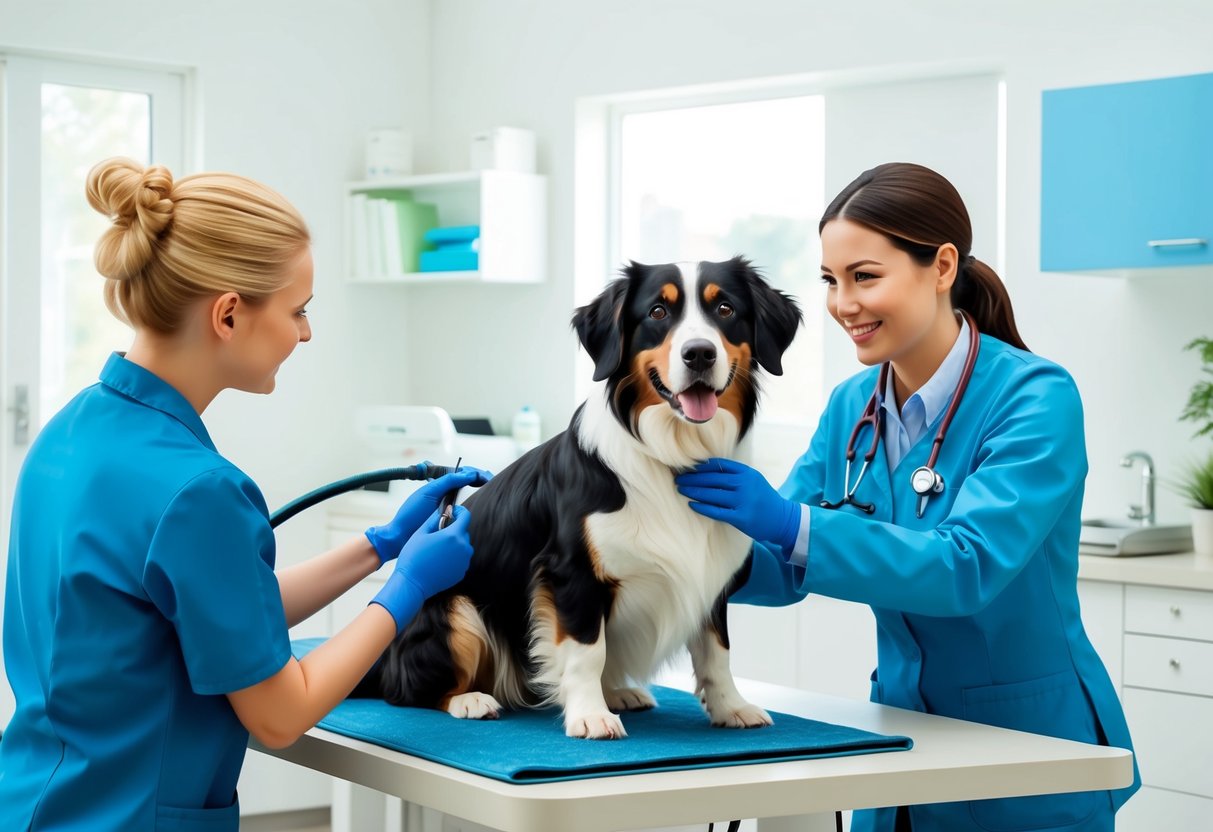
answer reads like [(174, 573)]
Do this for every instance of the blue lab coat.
[(140, 591), (976, 603)]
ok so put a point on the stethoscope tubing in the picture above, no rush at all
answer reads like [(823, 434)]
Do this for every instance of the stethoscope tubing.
[(872, 415)]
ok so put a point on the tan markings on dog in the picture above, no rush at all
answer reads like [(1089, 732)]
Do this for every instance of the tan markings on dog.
[(470, 651), (543, 610), (719, 637), (669, 293), (734, 398), (638, 380), (711, 292), (595, 558)]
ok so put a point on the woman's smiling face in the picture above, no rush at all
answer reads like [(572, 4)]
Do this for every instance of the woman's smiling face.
[(880, 296)]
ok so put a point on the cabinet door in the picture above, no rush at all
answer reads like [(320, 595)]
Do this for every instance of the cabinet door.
[(1173, 739), (1127, 175)]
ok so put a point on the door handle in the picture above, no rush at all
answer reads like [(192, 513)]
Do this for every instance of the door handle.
[(1178, 241), (20, 410)]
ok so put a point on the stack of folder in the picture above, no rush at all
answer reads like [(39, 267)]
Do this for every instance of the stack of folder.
[(456, 248)]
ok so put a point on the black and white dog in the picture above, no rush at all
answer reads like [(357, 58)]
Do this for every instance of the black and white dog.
[(590, 571)]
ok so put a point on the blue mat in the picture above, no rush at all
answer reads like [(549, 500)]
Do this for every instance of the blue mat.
[(529, 746)]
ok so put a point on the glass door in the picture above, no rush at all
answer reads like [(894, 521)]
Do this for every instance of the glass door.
[(57, 120)]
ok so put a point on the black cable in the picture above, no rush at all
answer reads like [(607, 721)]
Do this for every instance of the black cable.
[(838, 821), (424, 471)]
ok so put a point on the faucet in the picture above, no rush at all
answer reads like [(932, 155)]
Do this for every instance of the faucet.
[(1145, 511)]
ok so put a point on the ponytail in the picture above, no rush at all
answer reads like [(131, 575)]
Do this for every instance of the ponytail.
[(980, 292)]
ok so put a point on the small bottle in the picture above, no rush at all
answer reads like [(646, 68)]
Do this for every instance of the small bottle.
[(526, 429)]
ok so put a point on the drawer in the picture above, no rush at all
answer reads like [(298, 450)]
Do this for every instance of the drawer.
[(1161, 611), (1153, 809), (1170, 664), (1173, 739)]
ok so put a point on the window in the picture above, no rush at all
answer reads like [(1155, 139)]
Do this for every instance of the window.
[(80, 126), (62, 117), (707, 173), (710, 182)]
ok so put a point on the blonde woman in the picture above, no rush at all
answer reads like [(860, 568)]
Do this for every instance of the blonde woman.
[(145, 631)]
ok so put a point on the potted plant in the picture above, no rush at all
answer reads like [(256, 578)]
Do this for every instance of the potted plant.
[(1197, 482)]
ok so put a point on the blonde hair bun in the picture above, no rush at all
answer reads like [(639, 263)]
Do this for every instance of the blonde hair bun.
[(138, 200)]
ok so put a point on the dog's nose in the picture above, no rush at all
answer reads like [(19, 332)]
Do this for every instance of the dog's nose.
[(699, 354)]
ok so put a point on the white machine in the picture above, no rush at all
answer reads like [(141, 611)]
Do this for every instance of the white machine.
[(399, 435)]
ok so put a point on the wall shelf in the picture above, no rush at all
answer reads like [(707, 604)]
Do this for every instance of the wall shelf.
[(510, 208)]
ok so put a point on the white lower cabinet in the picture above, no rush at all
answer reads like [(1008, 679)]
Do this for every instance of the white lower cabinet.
[(1163, 657), (1173, 735)]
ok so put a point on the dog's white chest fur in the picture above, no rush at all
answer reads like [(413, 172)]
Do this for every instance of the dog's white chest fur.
[(670, 563)]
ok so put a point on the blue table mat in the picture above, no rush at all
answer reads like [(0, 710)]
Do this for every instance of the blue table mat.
[(529, 745)]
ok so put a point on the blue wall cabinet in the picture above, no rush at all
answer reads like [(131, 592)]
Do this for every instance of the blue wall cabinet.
[(1127, 175)]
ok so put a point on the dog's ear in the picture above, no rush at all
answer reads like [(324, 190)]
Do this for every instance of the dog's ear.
[(600, 328), (776, 317)]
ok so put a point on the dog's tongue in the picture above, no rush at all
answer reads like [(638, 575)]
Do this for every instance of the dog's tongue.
[(698, 402)]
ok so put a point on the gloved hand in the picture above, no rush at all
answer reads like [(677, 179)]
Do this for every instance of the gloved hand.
[(388, 538), (432, 560), (740, 496)]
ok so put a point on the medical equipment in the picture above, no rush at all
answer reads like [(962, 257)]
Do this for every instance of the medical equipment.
[(925, 480), (423, 471), (398, 433), (446, 506)]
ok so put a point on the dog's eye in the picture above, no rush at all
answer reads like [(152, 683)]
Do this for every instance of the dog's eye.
[(725, 310), (658, 312)]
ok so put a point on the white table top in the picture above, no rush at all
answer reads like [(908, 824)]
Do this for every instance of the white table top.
[(951, 760)]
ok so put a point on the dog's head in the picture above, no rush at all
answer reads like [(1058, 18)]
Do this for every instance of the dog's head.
[(687, 337)]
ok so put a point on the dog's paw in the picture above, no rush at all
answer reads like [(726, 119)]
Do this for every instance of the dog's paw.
[(473, 706), (743, 715), (606, 726), (630, 699)]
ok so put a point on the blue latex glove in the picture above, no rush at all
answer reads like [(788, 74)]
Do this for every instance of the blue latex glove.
[(390, 537), (740, 496), (432, 560)]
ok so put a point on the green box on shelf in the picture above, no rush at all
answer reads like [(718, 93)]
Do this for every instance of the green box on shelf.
[(414, 220)]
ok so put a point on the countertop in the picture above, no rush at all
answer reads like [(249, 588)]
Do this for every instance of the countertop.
[(1184, 570)]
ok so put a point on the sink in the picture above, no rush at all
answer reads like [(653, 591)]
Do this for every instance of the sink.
[(1123, 537)]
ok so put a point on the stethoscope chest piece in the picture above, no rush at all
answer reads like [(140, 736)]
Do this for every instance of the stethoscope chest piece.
[(925, 481)]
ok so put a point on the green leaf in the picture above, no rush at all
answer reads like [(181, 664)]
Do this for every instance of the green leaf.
[(1199, 408), (1196, 485)]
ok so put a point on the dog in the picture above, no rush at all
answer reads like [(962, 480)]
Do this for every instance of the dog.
[(590, 571)]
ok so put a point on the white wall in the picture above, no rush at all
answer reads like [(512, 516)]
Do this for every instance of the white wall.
[(525, 62), (288, 89), (286, 93)]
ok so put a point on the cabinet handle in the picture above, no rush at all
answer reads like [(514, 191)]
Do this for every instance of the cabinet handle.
[(1178, 241), (1174, 664), (1175, 610)]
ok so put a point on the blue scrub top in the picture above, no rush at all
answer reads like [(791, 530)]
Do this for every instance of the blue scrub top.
[(140, 591), (976, 602)]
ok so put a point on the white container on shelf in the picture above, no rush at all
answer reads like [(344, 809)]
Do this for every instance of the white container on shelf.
[(525, 430), (504, 148), (389, 152)]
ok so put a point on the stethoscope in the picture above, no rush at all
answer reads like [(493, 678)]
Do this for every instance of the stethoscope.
[(925, 480)]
